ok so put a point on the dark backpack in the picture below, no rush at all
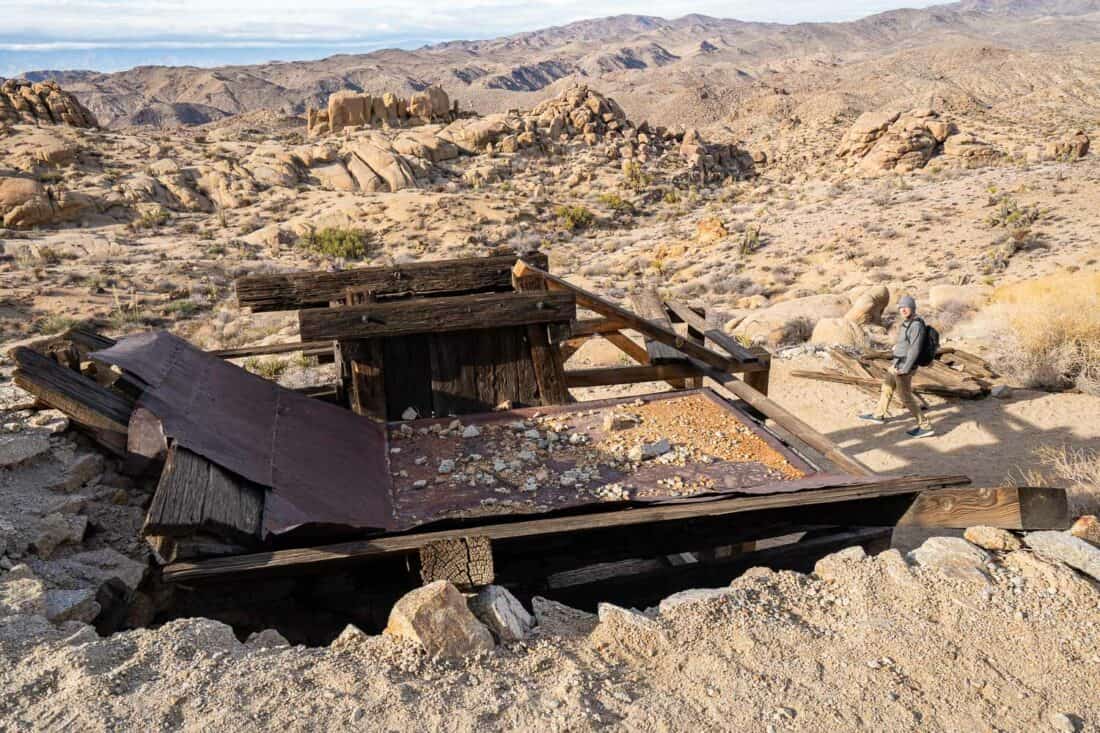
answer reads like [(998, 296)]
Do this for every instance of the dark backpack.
[(929, 347)]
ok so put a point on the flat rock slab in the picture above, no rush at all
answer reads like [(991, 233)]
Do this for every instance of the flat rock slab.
[(19, 447), (691, 596), (1062, 546), (502, 612), (952, 556)]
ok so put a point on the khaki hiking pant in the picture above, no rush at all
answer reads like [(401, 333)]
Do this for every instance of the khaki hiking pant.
[(903, 385)]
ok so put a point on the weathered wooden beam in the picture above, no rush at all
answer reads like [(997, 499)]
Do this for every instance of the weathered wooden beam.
[(648, 305), (606, 376), (362, 377), (1007, 507), (545, 354), (292, 291), (872, 384), (435, 315), (309, 348), (79, 397), (195, 495), (594, 326), (312, 556), (628, 346), (724, 341), (607, 308)]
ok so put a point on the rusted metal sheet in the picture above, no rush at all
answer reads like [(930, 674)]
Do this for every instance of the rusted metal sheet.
[(324, 465)]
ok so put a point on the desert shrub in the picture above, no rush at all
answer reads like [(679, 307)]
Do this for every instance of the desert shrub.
[(1054, 324), (573, 218), (634, 177), (1010, 215), (750, 240), (267, 368), (1078, 471), (350, 244), (54, 323), (615, 202), (152, 218)]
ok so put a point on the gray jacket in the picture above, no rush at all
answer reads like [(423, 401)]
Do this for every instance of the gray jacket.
[(909, 343)]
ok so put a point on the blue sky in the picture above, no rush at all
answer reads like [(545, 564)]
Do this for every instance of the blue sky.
[(108, 35)]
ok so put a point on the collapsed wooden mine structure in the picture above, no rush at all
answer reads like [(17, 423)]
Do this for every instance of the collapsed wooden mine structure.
[(256, 478)]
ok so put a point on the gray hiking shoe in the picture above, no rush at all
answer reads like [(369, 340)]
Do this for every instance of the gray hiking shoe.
[(919, 432), (871, 417)]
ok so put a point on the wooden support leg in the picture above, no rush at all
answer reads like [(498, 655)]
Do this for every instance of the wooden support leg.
[(362, 377), (549, 371), (759, 380), (466, 561)]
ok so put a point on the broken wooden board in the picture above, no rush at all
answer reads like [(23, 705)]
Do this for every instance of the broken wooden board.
[(648, 305), (436, 315), (292, 291), (1007, 507), (79, 397), (697, 322), (195, 495), (361, 549)]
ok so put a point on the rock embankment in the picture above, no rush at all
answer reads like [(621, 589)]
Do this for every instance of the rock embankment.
[(347, 108)]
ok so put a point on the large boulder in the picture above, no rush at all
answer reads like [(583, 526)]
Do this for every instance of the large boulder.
[(347, 108), (839, 332), (25, 203), (436, 617), (867, 307), (475, 135), (41, 103), (384, 161), (334, 176), (970, 150), (1070, 147), (791, 320)]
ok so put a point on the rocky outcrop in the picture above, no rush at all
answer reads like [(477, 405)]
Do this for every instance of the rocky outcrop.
[(347, 108), (26, 203), (880, 141), (1070, 147), (41, 103)]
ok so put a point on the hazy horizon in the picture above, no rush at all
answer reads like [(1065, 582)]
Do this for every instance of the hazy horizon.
[(113, 35)]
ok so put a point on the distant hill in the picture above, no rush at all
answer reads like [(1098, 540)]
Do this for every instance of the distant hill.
[(687, 70)]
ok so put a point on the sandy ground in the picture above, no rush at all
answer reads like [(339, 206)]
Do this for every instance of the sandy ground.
[(879, 646), (990, 440)]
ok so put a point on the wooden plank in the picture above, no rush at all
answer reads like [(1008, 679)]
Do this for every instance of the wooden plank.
[(628, 346), (79, 397), (759, 379), (549, 370), (571, 347), (435, 315), (454, 374), (410, 357), (291, 291), (1007, 507), (359, 549), (788, 422), (606, 308), (648, 305), (194, 495), (594, 326), (309, 348), (724, 341), (366, 380), (605, 376), (545, 356), (871, 384)]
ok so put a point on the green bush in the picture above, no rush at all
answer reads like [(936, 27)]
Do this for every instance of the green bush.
[(615, 202), (351, 244), (573, 218)]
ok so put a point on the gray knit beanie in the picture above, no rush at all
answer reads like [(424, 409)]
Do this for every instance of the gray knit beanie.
[(908, 302)]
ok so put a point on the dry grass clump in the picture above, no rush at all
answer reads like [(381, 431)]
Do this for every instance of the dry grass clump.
[(1079, 470), (1055, 324)]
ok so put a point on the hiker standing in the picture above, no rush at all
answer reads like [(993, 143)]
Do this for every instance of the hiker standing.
[(907, 354)]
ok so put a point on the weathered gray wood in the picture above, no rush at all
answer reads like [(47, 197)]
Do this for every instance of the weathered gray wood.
[(309, 348), (435, 315), (82, 399), (194, 495), (648, 305), (605, 376), (291, 291), (606, 308), (697, 322), (555, 525)]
